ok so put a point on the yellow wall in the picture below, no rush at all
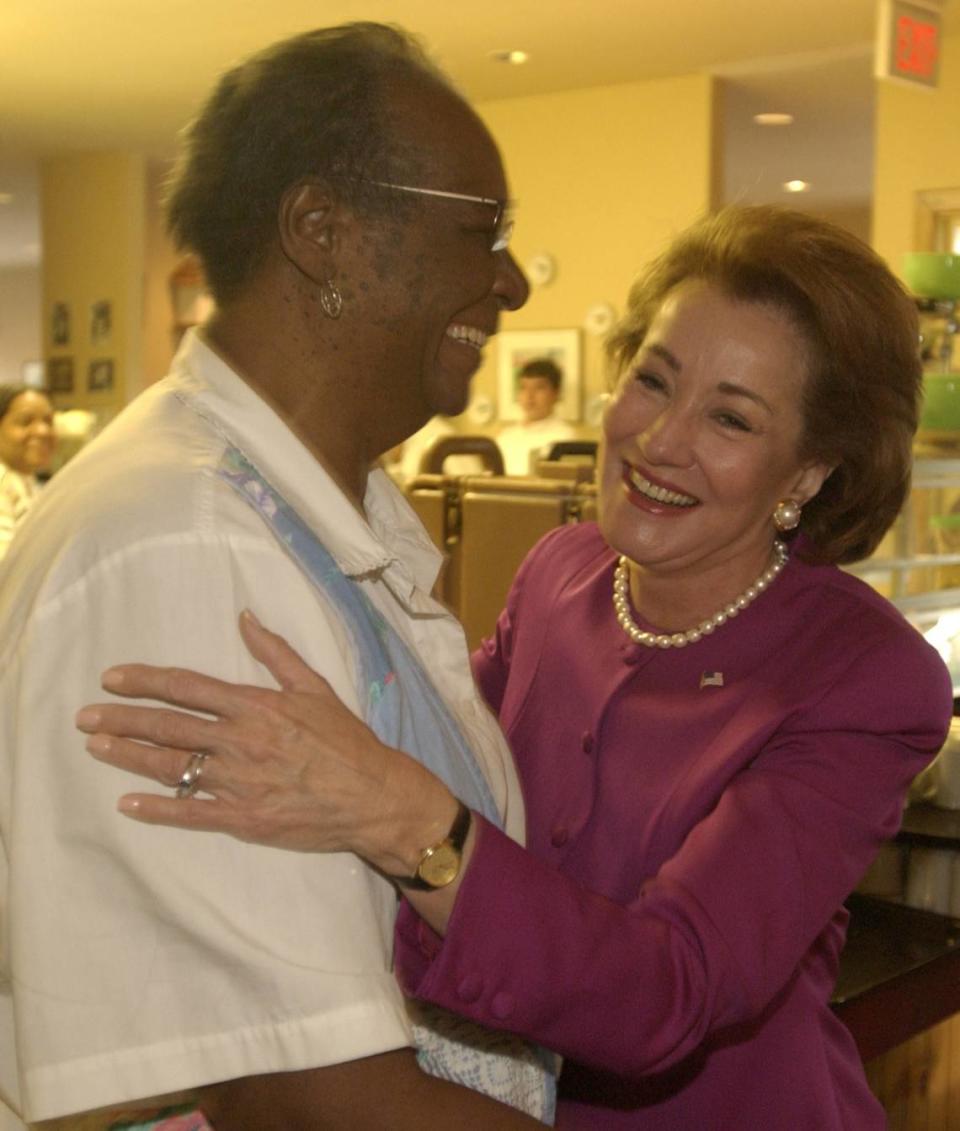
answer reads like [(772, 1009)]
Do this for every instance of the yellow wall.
[(92, 214), (161, 259), (917, 149), (19, 323), (602, 178)]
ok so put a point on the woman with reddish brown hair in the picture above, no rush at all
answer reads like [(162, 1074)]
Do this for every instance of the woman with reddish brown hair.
[(715, 727)]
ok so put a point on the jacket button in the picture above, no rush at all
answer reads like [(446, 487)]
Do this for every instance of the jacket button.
[(429, 943), (502, 1006), (586, 742), (470, 988), (559, 836)]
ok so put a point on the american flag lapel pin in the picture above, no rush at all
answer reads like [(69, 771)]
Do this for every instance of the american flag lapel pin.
[(711, 679)]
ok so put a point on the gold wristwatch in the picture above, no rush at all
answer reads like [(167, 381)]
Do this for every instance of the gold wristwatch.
[(440, 863)]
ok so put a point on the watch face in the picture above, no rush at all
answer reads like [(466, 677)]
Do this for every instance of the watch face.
[(441, 866)]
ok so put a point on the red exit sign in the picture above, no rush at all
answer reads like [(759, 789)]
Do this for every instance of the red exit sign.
[(908, 41)]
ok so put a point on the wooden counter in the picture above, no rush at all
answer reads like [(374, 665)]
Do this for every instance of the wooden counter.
[(899, 973), (930, 826)]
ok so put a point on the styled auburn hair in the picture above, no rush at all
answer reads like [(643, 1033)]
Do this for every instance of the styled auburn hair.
[(861, 396)]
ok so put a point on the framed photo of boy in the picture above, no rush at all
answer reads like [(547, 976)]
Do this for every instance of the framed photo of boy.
[(519, 347), (101, 322), (60, 324)]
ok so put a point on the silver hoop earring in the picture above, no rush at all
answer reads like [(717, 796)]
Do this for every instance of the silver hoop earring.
[(786, 516), (331, 301)]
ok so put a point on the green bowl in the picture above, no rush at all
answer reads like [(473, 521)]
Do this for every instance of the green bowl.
[(932, 274), (941, 402)]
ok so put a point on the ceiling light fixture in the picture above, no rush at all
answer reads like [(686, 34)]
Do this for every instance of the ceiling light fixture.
[(796, 186), (513, 57), (773, 119)]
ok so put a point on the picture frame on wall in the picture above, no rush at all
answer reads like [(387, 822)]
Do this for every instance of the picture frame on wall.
[(517, 347), (60, 374), (101, 321), (100, 375), (60, 324)]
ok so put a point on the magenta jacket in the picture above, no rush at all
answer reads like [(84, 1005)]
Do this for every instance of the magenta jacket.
[(696, 818)]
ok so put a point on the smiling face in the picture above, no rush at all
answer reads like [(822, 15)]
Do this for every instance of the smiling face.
[(26, 433), (701, 438), (442, 293)]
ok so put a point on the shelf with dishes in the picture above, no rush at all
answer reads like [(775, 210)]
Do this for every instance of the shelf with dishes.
[(934, 278), (917, 566), (921, 553)]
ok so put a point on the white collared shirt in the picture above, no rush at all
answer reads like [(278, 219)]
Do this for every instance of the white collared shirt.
[(523, 444), (139, 961), (17, 494)]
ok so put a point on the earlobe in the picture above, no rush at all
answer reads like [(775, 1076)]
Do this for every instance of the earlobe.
[(789, 511), (811, 479)]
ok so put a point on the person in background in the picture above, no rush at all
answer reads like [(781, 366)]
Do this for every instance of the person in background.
[(27, 445), (350, 212), (715, 726), (538, 389)]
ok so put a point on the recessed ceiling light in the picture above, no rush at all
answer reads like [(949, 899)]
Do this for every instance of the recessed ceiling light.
[(514, 57), (6, 198), (772, 119), (796, 186)]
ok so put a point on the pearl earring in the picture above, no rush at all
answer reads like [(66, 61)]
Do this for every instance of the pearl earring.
[(786, 516)]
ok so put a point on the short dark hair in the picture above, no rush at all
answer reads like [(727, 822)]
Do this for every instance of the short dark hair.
[(861, 397), (9, 393), (543, 367), (313, 105)]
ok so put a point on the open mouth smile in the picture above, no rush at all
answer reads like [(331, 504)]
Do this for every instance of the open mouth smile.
[(468, 335), (640, 484)]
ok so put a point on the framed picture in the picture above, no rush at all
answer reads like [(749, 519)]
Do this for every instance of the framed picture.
[(517, 348), (60, 374), (60, 324), (100, 376), (101, 322)]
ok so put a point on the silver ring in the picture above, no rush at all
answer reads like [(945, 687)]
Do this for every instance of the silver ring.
[(189, 781)]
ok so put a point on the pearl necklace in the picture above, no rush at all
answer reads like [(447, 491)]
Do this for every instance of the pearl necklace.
[(621, 603)]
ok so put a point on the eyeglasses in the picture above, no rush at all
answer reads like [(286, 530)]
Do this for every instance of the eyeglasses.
[(502, 221)]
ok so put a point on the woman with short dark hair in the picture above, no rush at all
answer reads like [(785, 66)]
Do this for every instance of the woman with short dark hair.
[(26, 447)]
